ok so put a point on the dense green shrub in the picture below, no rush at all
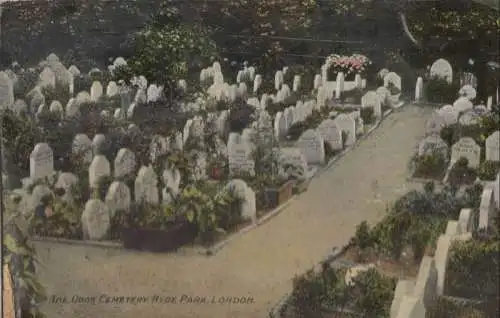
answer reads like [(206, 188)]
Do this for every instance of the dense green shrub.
[(165, 53), (431, 165), (319, 294), (472, 269), (438, 90), (446, 308), (488, 170)]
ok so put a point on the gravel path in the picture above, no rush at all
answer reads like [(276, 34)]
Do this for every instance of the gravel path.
[(257, 267)]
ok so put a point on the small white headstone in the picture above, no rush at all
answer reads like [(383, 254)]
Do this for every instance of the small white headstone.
[(463, 104), (172, 180), (331, 134), (124, 163), (347, 124), (419, 89), (41, 162), (146, 186), (393, 78), (6, 91), (372, 99), (82, 146), (118, 197), (442, 69), (98, 168), (247, 197), (312, 147), (98, 144), (449, 114), (468, 91), (47, 78), (466, 147), (493, 147), (339, 85), (432, 144), (96, 220), (112, 89)]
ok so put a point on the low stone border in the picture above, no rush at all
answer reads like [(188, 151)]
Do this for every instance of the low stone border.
[(105, 244), (210, 251)]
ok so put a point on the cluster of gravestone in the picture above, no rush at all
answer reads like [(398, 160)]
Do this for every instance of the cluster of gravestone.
[(462, 113), (442, 69), (413, 299), (233, 148)]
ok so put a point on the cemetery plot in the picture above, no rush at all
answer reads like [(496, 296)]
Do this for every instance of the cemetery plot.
[(461, 145), (117, 164)]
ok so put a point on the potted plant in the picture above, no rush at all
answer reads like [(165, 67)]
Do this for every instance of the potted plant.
[(210, 209), (155, 228), (277, 190)]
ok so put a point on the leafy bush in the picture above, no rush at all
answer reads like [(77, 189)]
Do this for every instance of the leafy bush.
[(367, 114), (241, 116), (21, 257), (488, 170), (373, 293), (363, 238), (431, 165), (162, 52), (480, 255), (438, 90), (461, 174), (65, 222), (317, 294)]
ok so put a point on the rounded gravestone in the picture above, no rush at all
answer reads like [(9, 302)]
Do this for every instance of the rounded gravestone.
[(96, 220)]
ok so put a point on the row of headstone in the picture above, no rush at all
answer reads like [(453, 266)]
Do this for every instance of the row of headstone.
[(332, 131)]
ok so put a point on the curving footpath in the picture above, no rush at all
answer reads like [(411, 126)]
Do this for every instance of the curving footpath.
[(259, 264)]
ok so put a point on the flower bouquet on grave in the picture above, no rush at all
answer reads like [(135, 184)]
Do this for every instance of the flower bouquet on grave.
[(349, 65)]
